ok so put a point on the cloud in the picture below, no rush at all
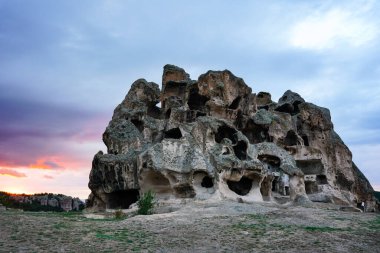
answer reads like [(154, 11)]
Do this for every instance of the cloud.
[(48, 177), (9, 172), (50, 163), (40, 135), (326, 30), (66, 65)]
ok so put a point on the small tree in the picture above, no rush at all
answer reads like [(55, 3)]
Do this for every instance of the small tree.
[(146, 203)]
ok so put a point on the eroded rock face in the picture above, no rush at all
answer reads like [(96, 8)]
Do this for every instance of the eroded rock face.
[(213, 139)]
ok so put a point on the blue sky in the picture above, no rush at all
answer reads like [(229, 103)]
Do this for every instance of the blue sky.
[(65, 65)]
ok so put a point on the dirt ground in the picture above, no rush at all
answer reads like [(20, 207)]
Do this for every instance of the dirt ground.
[(195, 227)]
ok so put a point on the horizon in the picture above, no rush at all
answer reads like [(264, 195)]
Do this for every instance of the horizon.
[(66, 65)]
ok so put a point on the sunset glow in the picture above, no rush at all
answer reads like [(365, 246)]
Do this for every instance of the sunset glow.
[(66, 65)]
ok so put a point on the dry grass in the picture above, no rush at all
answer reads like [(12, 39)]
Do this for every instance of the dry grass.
[(195, 228)]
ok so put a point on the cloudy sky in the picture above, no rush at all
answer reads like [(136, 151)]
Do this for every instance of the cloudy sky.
[(66, 64)]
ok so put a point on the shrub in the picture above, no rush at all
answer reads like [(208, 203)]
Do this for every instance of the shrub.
[(146, 203), (119, 214)]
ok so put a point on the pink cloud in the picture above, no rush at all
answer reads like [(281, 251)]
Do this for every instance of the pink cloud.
[(48, 163), (48, 177), (12, 173)]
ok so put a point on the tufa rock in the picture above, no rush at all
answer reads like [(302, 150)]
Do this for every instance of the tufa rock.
[(215, 139)]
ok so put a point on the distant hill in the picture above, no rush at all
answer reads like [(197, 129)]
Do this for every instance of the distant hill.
[(41, 202)]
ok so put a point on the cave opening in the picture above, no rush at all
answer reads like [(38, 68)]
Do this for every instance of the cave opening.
[(311, 167), (173, 89), (235, 104), (296, 108), (196, 101), (265, 107), (287, 108), (207, 182), (174, 133), (138, 124), (155, 181), (280, 185), (240, 150), (291, 138), (270, 159), (122, 199), (305, 140), (225, 132), (321, 179), (256, 133), (203, 184), (311, 187), (154, 111), (241, 187), (167, 114), (199, 114), (292, 109)]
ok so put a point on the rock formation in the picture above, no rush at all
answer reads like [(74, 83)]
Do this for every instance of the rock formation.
[(214, 138), (58, 201)]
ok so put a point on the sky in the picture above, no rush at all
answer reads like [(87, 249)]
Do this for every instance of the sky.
[(66, 64)]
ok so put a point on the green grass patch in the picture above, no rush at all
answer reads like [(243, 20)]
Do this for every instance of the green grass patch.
[(61, 225), (321, 229), (375, 223)]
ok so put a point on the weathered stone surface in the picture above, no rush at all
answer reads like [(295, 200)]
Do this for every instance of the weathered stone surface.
[(215, 139), (66, 203)]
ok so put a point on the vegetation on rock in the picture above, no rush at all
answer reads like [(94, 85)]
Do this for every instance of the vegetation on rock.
[(146, 203)]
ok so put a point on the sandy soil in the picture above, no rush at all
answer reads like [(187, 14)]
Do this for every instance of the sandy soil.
[(195, 227)]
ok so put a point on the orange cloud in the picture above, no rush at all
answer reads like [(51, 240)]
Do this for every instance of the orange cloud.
[(59, 162), (48, 163), (12, 173)]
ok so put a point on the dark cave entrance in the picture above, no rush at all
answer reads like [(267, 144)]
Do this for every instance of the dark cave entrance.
[(272, 160), (207, 182), (305, 140), (235, 104), (201, 178), (196, 101), (225, 132), (291, 138), (241, 187), (311, 167), (167, 114), (174, 133), (154, 111), (122, 199), (256, 133), (311, 187), (321, 179), (240, 150), (292, 109), (138, 124)]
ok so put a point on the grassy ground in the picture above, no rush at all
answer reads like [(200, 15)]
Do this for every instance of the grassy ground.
[(195, 228)]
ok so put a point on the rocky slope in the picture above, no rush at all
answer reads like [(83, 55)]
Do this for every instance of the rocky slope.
[(214, 139)]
